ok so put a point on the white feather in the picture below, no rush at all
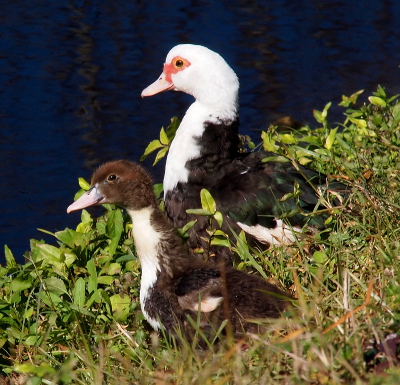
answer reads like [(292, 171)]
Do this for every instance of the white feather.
[(279, 235), (146, 243)]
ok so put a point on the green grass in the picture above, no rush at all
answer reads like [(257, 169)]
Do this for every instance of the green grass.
[(71, 313)]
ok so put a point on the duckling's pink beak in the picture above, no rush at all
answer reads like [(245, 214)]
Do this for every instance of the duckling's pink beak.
[(160, 85), (90, 198)]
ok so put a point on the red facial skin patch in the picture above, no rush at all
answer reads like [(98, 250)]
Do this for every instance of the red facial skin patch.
[(177, 64)]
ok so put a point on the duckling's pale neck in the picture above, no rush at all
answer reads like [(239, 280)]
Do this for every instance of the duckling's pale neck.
[(147, 243), (152, 235)]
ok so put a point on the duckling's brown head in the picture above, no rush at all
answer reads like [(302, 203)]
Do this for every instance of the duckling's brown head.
[(119, 182)]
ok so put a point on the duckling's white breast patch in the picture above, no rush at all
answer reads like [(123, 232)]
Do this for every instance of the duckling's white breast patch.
[(146, 244)]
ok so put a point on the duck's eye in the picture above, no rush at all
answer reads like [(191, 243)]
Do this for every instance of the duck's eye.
[(179, 63), (111, 178)]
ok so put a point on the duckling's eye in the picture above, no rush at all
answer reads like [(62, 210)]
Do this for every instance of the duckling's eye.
[(111, 178), (179, 63)]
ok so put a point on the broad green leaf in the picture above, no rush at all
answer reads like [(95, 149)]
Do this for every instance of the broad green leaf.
[(160, 155), (126, 258), (396, 112), (330, 139), (50, 253), (79, 292), (375, 100), (152, 146), (320, 257), (158, 188), (287, 138), (55, 285), (19, 284), (92, 281), (10, 260), (172, 128), (163, 137), (188, 226), (113, 245), (207, 201), (220, 241), (114, 268), (69, 259), (318, 116), (83, 184), (268, 142), (115, 226), (219, 218), (71, 238), (324, 113), (40, 370), (28, 313), (31, 340), (120, 306), (105, 280)]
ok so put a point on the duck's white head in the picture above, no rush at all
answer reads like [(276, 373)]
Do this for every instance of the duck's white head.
[(200, 72)]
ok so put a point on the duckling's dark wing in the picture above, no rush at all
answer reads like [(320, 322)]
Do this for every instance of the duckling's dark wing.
[(200, 286)]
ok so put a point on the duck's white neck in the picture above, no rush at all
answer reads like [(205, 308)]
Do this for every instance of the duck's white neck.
[(147, 241), (186, 144)]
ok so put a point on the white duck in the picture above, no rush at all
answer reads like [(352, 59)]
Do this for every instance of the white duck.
[(205, 154)]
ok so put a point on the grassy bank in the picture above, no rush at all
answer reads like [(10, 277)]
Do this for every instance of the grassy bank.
[(71, 313)]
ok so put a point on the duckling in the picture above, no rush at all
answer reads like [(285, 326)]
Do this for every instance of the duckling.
[(174, 284)]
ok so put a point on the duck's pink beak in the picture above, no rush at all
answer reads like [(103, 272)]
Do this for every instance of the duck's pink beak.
[(160, 85), (90, 198)]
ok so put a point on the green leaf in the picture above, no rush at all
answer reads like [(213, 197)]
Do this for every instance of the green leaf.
[(152, 146), (275, 158), (158, 188), (396, 112), (40, 370), (219, 218), (114, 268), (330, 139), (287, 138), (105, 280), (163, 137), (324, 113), (79, 292), (71, 238), (83, 184), (318, 116), (19, 284), (320, 257), (172, 128), (10, 260), (199, 212), (69, 259), (207, 201), (375, 100), (268, 142), (55, 285), (92, 281), (160, 155), (120, 306), (347, 101)]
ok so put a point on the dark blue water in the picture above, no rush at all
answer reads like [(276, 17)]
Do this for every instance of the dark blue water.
[(71, 74)]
